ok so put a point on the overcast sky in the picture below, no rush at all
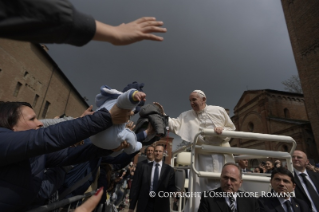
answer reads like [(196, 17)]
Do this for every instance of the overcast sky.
[(222, 47)]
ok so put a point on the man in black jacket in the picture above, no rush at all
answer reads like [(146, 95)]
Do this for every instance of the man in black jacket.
[(307, 181), (151, 181), (282, 200), (225, 198)]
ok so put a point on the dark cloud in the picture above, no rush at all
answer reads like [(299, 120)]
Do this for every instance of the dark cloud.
[(222, 47)]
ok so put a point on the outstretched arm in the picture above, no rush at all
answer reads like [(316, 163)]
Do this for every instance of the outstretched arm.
[(57, 21), (124, 34)]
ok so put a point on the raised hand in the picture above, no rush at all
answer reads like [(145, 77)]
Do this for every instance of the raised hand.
[(124, 34), (160, 107)]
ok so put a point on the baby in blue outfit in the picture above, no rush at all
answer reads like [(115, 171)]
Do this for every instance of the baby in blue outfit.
[(112, 137)]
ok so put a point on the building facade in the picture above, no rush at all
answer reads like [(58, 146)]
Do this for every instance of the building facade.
[(274, 112), (29, 74), (303, 27)]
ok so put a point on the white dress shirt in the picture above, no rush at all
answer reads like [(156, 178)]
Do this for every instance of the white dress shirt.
[(153, 170)]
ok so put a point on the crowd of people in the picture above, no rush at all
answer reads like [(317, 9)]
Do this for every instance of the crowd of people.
[(39, 162), (42, 162), (55, 159)]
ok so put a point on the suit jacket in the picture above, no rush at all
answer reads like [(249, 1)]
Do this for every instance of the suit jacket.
[(300, 192), (141, 187), (272, 204), (218, 204), (134, 187)]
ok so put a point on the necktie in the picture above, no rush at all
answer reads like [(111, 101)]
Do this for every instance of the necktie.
[(288, 204), (155, 177), (312, 192), (232, 204)]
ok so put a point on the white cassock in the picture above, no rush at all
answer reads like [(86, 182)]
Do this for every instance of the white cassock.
[(187, 125)]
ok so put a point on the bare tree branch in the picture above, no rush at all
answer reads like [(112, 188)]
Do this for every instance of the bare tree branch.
[(293, 84)]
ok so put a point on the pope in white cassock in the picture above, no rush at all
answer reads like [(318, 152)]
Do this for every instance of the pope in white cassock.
[(188, 124)]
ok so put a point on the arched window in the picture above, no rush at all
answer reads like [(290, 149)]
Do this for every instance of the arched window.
[(287, 114), (250, 126)]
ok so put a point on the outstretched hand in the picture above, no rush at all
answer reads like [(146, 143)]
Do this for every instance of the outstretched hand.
[(129, 33), (88, 111), (123, 145), (130, 125), (139, 96), (160, 107)]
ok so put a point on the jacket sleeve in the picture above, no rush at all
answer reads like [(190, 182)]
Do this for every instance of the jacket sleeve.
[(256, 206), (136, 185), (75, 155), (48, 122), (175, 124), (19, 146), (203, 206), (45, 21), (261, 205), (171, 185), (229, 125), (140, 136)]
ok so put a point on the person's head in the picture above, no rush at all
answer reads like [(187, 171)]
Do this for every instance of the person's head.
[(18, 116), (299, 160), (197, 100), (158, 153), (243, 163), (282, 181), (231, 178), (149, 152), (257, 170), (269, 165), (277, 163)]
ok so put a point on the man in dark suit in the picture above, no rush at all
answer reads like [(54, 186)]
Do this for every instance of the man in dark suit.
[(149, 151), (230, 182), (283, 184), (243, 163), (149, 183), (307, 181)]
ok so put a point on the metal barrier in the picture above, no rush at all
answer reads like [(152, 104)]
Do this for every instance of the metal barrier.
[(244, 153), (63, 203)]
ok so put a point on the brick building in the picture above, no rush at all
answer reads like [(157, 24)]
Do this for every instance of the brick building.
[(303, 27), (28, 73), (274, 112)]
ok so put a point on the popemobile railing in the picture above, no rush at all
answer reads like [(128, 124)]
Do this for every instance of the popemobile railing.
[(243, 152)]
